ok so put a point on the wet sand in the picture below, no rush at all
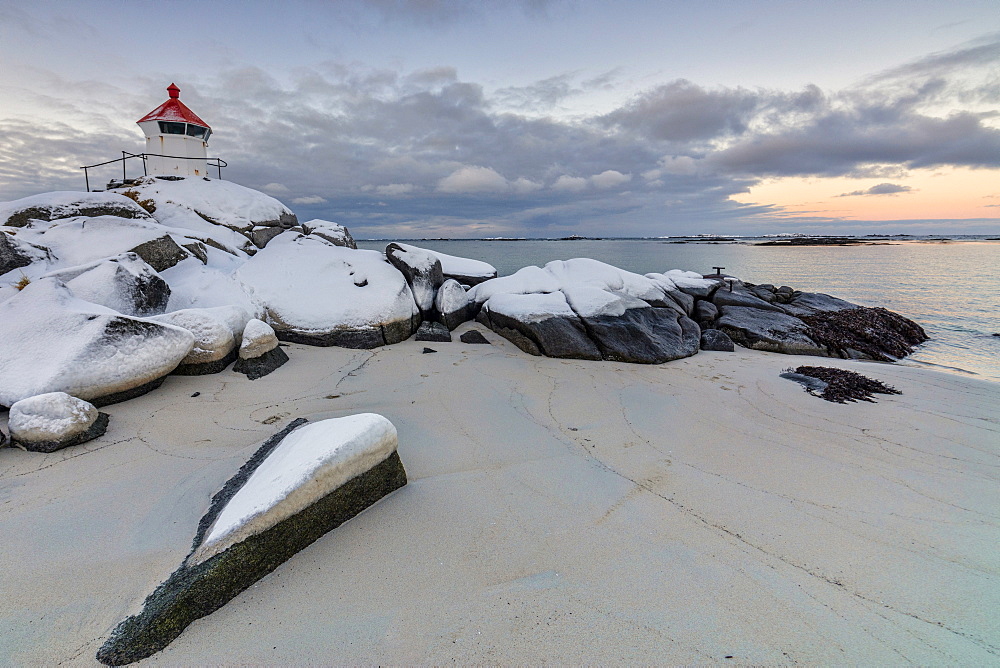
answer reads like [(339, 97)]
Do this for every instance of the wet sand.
[(563, 511)]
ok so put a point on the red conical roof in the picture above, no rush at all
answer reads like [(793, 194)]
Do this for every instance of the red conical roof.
[(173, 110)]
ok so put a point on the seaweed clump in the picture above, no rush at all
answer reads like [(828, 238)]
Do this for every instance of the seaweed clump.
[(843, 386), (876, 333)]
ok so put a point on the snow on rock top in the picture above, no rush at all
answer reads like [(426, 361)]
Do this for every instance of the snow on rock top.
[(258, 338), (308, 464), (308, 285), (53, 416), (531, 307), (335, 233), (56, 342), (452, 265), (185, 202), (67, 204)]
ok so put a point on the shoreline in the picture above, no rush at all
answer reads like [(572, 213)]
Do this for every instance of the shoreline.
[(561, 510)]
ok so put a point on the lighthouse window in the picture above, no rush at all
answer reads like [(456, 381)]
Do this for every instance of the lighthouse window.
[(169, 128), (195, 131)]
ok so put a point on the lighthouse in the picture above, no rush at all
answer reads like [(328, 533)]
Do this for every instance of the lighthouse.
[(176, 139)]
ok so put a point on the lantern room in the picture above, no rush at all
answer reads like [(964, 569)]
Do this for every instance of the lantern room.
[(176, 139)]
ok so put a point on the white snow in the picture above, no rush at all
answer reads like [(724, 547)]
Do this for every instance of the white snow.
[(530, 307), (307, 465), (258, 338), (108, 282), (330, 231), (312, 285), (215, 330), (56, 342), (527, 280), (459, 266), (53, 416), (80, 239)]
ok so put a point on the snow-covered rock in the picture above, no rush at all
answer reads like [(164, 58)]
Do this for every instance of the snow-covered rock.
[(464, 270), (16, 253), (586, 309), (68, 204), (216, 334), (56, 342), (335, 233), (422, 271), (54, 420), (317, 293), (259, 353), (303, 482), (453, 305), (123, 283)]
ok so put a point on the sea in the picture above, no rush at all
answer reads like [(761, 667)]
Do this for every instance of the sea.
[(949, 285)]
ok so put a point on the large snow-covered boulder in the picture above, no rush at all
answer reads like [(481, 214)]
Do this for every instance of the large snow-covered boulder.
[(305, 481), (54, 342), (317, 293), (54, 420), (259, 353), (216, 334), (123, 283), (68, 204), (586, 309), (335, 233), (422, 271)]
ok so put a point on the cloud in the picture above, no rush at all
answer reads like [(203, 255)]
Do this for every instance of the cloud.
[(275, 188), (395, 189), (473, 179), (523, 186), (610, 179), (309, 199), (880, 189), (572, 184)]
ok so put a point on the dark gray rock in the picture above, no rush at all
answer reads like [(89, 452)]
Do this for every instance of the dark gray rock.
[(368, 337), (96, 430), (205, 368), (810, 303), (765, 329), (763, 292), (433, 331), (3, 438), (15, 253), (428, 350), (682, 299), (705, 311), (89, 204), (700, 293), (714, 339), (643, 336), (161, 253), (558, 336), (422, 272), (198, 588), (474, 336), (261, 235), (740, 296), (260, 366), (198, 250)]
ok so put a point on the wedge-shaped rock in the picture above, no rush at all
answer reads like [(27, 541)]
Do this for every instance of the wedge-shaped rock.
[(303, 482), (539, 324), (124, 283), (55, 420), (326, 295), (259, 353), (422, 271), (335, 233), (462, 269), (54, 342)]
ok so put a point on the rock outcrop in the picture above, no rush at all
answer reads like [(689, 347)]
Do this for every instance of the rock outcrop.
[(335, 233), (453, 305), (55, 420), (216, 334), (123, 283), (422, 271), (303, 482)]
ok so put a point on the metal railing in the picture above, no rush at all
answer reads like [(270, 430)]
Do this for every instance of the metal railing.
[(219, 162)]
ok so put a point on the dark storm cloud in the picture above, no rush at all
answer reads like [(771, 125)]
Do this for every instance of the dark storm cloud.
[(880, 189)]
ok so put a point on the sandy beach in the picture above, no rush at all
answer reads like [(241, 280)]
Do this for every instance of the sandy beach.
[(702, 511)]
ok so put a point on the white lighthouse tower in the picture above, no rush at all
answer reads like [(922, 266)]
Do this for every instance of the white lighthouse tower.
[(176, 138)]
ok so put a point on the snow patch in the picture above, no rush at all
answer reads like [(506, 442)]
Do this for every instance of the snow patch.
[(53, 416)]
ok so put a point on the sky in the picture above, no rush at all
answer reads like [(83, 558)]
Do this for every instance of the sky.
[(538, 118)]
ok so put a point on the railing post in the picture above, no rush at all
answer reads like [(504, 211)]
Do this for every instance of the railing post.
[(86, 178), (124, 175), (144, 173)]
